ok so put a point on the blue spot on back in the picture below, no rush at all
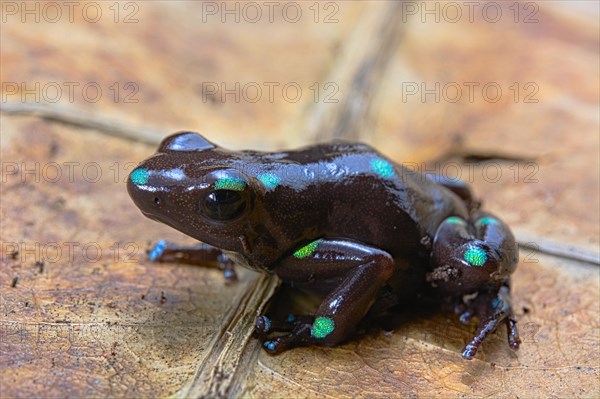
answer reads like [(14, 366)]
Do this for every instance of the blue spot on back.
[(270, 180), (382, 167)]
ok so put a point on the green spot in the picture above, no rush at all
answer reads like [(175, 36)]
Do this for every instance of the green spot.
[(475, 256), (487, 220), (306, 250), (322, 327), (230, 183), (382, 167), (140, 176), (454, 220), (269, 180)]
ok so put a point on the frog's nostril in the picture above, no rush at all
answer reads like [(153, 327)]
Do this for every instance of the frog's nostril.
[(157, 200)]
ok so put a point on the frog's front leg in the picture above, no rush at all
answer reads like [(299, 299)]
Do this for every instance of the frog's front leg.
[(472, 261), (200, 254), (356, 271)]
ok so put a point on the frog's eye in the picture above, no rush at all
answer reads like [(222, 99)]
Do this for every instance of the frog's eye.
[(223, 205), (185, 141)]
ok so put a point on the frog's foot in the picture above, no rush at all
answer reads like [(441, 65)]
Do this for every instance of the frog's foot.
[(492, 309), (263, 325), (201, 254), (299, 328)]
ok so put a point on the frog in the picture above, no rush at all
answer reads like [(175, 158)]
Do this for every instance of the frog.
[(337, 218)]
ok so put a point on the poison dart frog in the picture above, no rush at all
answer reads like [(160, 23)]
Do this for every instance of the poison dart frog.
[(338, 218)]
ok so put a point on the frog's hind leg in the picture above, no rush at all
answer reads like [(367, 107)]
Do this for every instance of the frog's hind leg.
[(200, 254), (458, 187), (472, 261), (356, 271)]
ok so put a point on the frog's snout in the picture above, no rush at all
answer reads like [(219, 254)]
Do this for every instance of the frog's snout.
[(146, 191)]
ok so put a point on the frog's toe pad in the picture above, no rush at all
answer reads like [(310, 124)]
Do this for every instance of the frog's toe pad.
[(281, 344), (469, 351), (270, 346), (262, 325), (466, 317), (230, 275), (514, 345)]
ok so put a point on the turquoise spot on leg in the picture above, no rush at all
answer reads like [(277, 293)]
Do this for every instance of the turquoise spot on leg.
[(139, 176), (269, 180), (230, 183), (306, 250), (322, 327), (487, 220), (475, 256), (382, 167)]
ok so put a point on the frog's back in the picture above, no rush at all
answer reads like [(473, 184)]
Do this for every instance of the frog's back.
[(352, 191)]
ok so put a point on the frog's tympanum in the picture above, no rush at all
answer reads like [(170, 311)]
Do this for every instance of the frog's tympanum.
[(338, 218)]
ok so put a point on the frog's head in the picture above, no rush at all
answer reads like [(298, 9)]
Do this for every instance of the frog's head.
[(194, 186)]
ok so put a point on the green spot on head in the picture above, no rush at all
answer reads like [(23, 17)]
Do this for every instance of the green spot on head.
[(230, 183), (322, 327), (487, 220), (382, 167), (454, 220), (475, 256), (269, 180), (306, 250), (139, 176)]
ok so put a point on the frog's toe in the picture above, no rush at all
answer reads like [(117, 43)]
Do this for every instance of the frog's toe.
[(279, 344), (298, 328), (466, 316), (290, 318), (230, 275), (228, 267), (469, 351), (262, 325), (155, 253), (514, 341), (270, 346), (299, 337)]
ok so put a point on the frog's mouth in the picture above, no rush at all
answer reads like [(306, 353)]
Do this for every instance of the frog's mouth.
[(157, 218), (164, 220), (151, 216)]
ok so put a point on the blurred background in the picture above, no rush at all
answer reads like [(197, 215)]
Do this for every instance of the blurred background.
[(503, 95)]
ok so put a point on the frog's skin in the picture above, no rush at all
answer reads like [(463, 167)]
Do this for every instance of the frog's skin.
[(339, 218)]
